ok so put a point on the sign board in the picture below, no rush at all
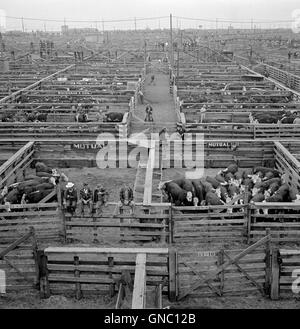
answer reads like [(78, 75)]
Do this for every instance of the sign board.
[(222, 145), (87, 146)]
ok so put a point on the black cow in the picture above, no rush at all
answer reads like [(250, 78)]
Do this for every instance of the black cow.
[(176, 193), (213, 181), (41, 167), (281, 195), (212, 199), (233, 168), (113, 117), (185, 184), (199, 190), (37, 196), (265, 170), (13, 196)]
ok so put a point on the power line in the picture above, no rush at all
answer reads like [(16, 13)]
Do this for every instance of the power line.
[(246, 21), (86, 21)]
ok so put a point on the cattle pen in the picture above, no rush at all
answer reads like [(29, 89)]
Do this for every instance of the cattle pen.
[(210, 112)]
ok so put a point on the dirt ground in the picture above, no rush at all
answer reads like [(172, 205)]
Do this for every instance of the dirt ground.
[(111, 179), (27, 300)]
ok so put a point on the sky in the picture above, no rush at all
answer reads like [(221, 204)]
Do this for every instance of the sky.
[(92, 10)]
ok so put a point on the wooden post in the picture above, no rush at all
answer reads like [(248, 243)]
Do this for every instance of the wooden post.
[(158, 296), (112, 285), (275, 275), (61, 213), (268, 269), (35, 256), (172, 268), (139, 290), (248, 213), (43, 272), (171, 232), (78, 292), (221, 276)]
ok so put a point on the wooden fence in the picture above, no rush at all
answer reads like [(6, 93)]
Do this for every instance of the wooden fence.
[(19, 261), (87, 270), (44, 217), (245, 130), (14, 168), (107, 229), (287, 164), (208, 225), (289, 272)]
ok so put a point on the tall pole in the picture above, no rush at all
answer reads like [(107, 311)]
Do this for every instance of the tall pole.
[(135, 23), (103, 26), (171, 41), (177, 63), (23, 29)]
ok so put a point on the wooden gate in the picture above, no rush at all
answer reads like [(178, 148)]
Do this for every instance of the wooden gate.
[(19, 262), (226, 272)]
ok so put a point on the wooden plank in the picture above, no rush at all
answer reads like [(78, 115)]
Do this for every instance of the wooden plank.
[(274, 294), (246, 274), (96, 250), (149, 175), (12, 159), (139, 290), (16, 243), (120, 297), (48, 197)]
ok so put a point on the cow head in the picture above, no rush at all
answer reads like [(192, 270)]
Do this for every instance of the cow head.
[(218, 192), (255, 178), (189, 196), (267, 193), (161, 186), (195, 201), (297, 200), (4, 191), (236, 182), (255, 191), (52, 180)]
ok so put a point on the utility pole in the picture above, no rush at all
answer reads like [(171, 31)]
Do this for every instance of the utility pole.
[(135, 23), (171, 42), (45, 27), (177, 64), (103, 26), (23, 29)]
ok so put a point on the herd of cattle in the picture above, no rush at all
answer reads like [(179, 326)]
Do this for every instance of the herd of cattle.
[(36, 116), (34, 188), (281, 116), (228, 187)]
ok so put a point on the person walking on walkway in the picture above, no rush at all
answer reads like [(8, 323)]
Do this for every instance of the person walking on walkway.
[(149, 111), (152, 80), (141, 96), (202, 113)]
